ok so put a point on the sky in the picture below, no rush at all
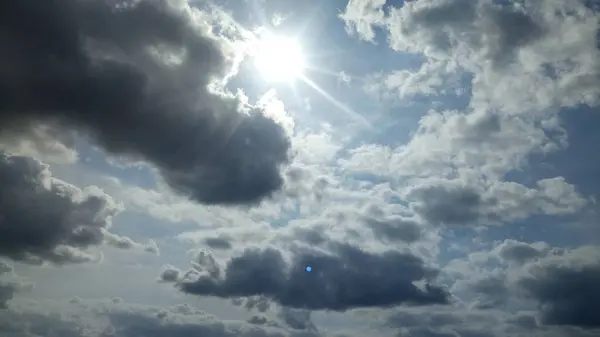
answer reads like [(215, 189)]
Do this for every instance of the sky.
[(280, 168)]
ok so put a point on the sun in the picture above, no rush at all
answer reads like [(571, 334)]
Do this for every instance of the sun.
[(279, 59)]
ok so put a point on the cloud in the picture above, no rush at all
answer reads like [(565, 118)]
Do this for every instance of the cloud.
[(396, 229), (459, 202), (10, 284), (45, 219), (7, 290), (458, 322), (134, 78), (361, 15), (170, 274), (490, 289), (124, 242), (521, 252), (219, 243), (566, 287), (562, 282), (296, 319), (109, 318), (260, 303), (345, 278), (526, 62), (44, 142)]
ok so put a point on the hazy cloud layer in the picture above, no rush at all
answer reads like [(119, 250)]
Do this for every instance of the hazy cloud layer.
[(116, 318)]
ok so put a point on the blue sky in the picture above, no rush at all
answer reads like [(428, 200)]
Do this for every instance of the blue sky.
[(434, 164)]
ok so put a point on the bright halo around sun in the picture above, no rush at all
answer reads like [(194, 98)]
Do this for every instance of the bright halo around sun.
[(279, 59)]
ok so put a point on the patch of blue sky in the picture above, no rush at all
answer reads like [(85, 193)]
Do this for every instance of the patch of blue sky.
[(141, 225), (95, 160), (287, 216), (556, 230), (325, 60)]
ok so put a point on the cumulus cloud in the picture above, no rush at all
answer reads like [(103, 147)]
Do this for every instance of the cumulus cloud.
[(394, 228), (526, 61), (123, 73), (170, 274), (456, 202), (565, 286), (562, 282), (44, 219), (345, 278), (521, 252), (124, 242)]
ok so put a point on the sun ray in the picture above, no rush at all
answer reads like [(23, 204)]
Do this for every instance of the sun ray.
[(278, 58), (353, 114)]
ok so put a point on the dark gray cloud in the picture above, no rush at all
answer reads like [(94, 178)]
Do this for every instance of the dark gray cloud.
[(458, 202), (297, 319), (10, 284), (259, 303), (346, 278), (395, 229), (456, 322), (448, 204), (521, 252), (262, 320), (563, 283), (45, 219), (219, 243), (7, 290), (133, 79), (490, 290), (170, 274), (566, 287)]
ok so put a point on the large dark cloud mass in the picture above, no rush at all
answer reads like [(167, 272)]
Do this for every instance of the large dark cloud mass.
[(132, 76), (45, 219), (346, 278)]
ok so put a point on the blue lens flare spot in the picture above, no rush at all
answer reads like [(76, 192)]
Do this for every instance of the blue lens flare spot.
[(308, 269)]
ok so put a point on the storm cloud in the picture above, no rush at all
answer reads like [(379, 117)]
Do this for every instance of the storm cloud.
[(134, 78), (345, 278)]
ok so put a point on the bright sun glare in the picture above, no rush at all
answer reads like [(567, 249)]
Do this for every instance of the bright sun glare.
[(279, 59)]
